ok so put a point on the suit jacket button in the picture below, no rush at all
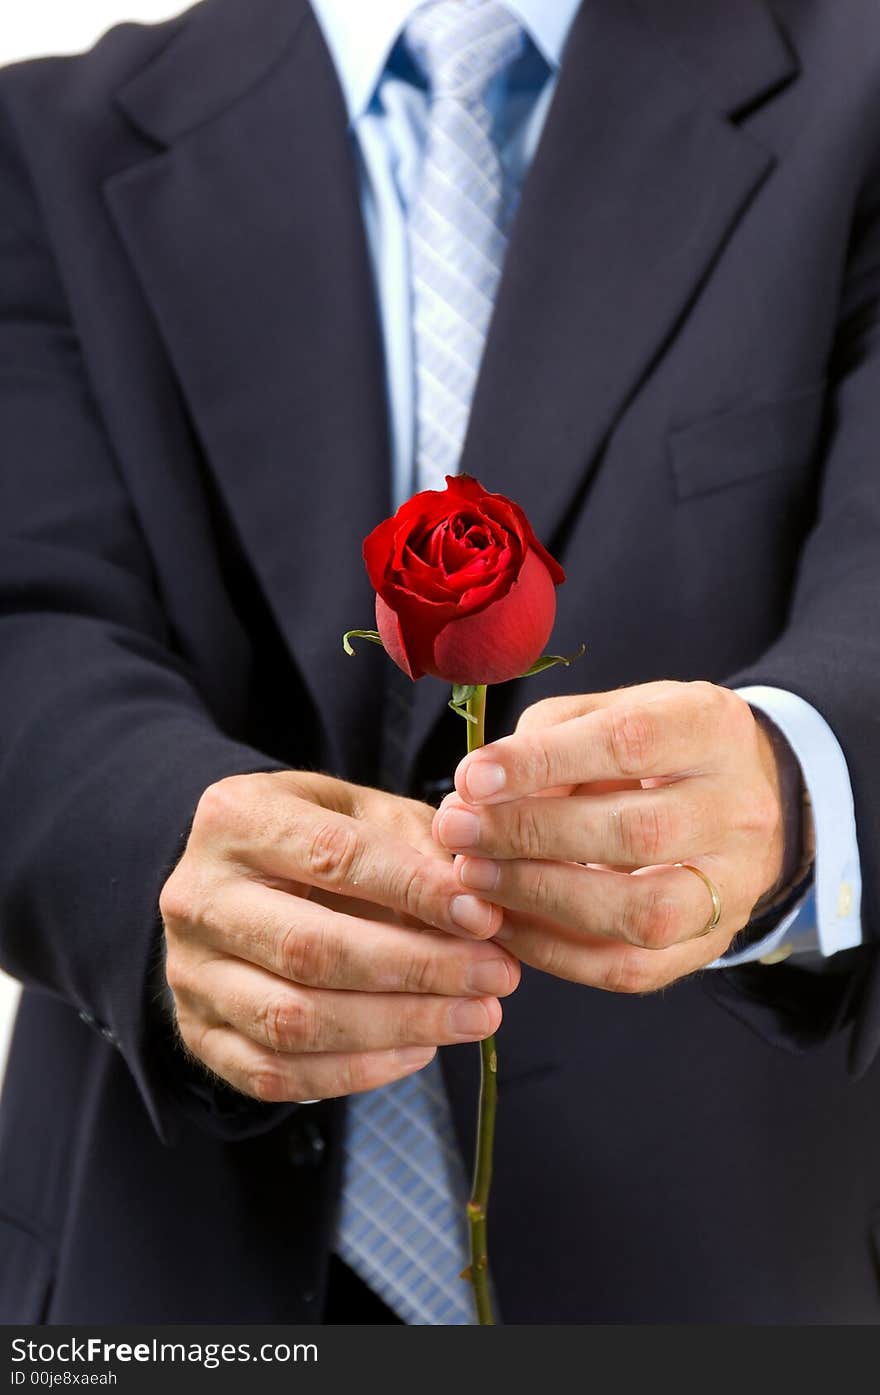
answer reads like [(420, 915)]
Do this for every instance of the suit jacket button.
[(306, 1144)]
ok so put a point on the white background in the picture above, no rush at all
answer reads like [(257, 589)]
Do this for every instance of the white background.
[(28, 29)]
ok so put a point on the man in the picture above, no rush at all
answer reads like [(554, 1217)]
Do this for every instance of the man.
[(266, 269)]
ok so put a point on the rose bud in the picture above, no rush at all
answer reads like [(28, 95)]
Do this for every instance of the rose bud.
[(464, 590)]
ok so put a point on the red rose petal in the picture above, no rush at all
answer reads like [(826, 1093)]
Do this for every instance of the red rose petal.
[(391, 634), (463, 586), (503, 640)]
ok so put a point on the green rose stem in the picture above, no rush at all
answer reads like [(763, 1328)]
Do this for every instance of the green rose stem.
[(469, 700), (479, 1200)]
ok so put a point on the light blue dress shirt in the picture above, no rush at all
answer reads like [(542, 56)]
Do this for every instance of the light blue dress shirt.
[(387, 106)]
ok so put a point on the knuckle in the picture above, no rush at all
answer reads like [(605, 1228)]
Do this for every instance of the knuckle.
[(419, 974), (267, 1083), (644, 831), (296, 950), (632, 739), (755, 814), (292, 1024), (737, 709), (763, 815), (651, 921), (195, 1033), (281, 1024), (534, 765), (547, 773), (176, 899), (553, 956), (707, 696), (354, 1074), (221, 803), (176, 972), (269, 1024), (540, 714), (628, 974), (209, 910), (410, 1023), (541, 888), (417, 894), (306, 956), (721, 707), (191, 1036), (526, 828), (332, 854)]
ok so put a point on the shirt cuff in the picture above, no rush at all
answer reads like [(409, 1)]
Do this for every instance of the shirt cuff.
[(828, 918)]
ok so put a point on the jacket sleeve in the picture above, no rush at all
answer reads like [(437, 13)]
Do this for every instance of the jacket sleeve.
[(829, 655), (105, 741)]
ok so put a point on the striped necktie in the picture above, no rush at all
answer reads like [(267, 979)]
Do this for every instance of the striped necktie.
[(402, 1223), (458, 220)]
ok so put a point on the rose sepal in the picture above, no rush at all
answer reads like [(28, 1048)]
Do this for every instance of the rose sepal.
[(460, 700), (551, 660), (372, 635)]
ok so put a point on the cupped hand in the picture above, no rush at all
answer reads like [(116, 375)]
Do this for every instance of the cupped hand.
[(319, 944), (575, 823)]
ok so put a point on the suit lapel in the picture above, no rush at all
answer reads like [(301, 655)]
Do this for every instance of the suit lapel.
[(638, 180), (246, 233)]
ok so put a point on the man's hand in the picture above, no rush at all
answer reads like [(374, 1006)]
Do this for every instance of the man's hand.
[(632, 782), (319, 944)]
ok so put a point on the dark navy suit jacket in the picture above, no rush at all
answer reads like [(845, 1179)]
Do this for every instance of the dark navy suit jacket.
[(681, 386)]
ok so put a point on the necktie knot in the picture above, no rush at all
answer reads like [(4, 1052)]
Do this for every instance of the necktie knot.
[(462, 45)]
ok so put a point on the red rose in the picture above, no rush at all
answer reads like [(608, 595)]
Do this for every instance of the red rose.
[(464, 590)]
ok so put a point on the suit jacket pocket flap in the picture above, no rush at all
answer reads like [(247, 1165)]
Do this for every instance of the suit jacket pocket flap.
[(748, 442), (25, 1274)]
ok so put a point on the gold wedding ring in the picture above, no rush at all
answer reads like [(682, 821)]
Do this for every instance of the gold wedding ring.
[(713, 892)]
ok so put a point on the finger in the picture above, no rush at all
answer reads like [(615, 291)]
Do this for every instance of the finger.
[(275, 1079), (288, 1018), (549, 712), (653, 908), (612, 965), (630, 828), (321, 948), (291, 840), (668, 731)]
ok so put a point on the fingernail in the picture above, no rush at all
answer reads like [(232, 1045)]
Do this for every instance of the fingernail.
[(415, 1055), (459, 829), (483, 779), (490, 977), (478, 873), (469, 913), (469, 1019)]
